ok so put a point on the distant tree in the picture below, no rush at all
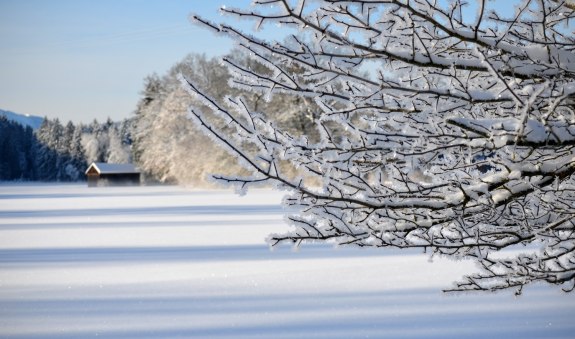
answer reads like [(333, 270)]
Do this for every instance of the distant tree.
[(105, 142), (448, 127), (125, 131), (46, 157), (61, 137), (26, 158), (152, 97), (7, 156), (167, 145), (117, 152), (95, 142), (76, 164)]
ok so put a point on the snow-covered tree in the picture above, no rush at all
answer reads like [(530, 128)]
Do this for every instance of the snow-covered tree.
[(117, 152), (76, 164), (106, 142), (16, 151), (446, 126), (95, 142), (46, 155), (170, 148)]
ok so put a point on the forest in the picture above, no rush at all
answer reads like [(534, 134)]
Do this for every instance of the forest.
[(58, 152)]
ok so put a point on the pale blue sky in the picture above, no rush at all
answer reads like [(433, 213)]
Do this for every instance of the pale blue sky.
[(84, 59)]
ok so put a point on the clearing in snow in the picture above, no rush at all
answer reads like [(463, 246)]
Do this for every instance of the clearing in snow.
[(159, 262)]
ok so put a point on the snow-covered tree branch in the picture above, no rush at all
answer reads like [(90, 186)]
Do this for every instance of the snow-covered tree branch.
[(449, 128)]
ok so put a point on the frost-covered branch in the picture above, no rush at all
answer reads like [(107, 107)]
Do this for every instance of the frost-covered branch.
[(436, 128)]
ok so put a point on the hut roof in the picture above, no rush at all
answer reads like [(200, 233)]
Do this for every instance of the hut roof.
[(105, 168)]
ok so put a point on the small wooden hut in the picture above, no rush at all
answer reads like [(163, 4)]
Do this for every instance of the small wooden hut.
[(104, 174)]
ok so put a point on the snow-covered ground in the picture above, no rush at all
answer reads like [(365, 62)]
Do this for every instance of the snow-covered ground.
[(163, 262)]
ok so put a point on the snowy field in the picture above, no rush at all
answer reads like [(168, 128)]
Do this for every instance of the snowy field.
[(163, 262)]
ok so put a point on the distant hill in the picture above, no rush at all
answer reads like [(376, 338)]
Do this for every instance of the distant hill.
[(23, 119)]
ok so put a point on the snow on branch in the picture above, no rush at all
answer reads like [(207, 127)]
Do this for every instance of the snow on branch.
[(436, 129)]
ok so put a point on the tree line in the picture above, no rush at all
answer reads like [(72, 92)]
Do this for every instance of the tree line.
[(58, 152)]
